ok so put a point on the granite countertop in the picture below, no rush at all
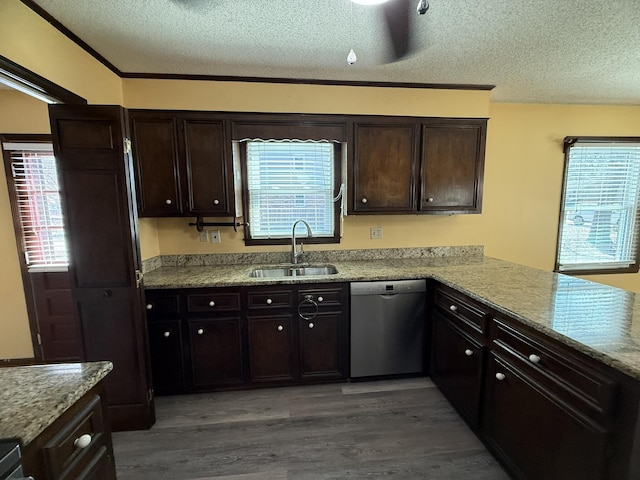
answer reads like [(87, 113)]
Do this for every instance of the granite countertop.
[(600, 321), (33, 397)]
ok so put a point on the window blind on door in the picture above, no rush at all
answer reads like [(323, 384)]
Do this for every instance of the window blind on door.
[(37, 191), (599, 220), (288, 181)]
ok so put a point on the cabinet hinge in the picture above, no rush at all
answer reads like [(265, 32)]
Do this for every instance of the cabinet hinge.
[(39, 337), (150, 395), (139, 276), (127, 145)]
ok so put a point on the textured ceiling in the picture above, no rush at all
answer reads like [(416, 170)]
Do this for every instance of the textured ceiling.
[(547, 51)]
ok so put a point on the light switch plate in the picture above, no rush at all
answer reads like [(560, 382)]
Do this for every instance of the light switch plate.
[(376, 232)]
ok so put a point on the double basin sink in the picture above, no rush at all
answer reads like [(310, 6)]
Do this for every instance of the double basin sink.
[(293, 271)]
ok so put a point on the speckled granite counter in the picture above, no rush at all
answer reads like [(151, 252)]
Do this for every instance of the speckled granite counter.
[(33, 397), (601, 321)]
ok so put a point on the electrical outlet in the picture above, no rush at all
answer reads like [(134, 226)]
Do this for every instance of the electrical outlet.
[(376, 232), (215, 236), (203, 236)]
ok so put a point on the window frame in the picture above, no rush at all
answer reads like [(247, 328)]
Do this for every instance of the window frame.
[(633, 268), (337, 174)]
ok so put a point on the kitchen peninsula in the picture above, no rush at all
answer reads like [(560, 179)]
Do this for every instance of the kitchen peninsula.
[(57, 415)]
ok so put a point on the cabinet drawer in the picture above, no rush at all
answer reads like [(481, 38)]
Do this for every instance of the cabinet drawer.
[(325, 297), (469, 312), (213, 302), (261, 299), (162, 305), (65, 453), (573, 379)]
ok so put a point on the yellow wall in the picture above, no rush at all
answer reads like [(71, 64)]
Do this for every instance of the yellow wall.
[(33, 43)]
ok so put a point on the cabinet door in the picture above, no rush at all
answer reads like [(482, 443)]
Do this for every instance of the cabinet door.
[(209, 170), (457, 366), (167, 365), (452, 166), (156, 162), (270, 348), (101, 226), (536, 435), (216, 351), (384, 166), (321, 352)]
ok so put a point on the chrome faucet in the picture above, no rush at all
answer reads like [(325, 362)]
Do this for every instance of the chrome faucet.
[(294, 253)]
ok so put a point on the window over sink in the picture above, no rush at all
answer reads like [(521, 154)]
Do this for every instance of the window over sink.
[(288, 180)]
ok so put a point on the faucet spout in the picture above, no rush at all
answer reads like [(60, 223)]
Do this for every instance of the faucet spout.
[(294, 253)]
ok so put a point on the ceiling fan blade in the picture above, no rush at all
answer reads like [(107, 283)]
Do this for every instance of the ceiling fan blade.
[(396, 16)]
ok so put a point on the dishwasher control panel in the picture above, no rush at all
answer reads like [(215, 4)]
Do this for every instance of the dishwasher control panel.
[(388, 287)]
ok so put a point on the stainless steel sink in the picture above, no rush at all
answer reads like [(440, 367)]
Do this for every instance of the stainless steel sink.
[(293, 271)]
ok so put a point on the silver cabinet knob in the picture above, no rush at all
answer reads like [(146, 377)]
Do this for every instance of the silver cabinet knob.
[(83, 441), (167, 334), (280, 328), (212, 303), (364, 200), (269, 301), (320, 299), (453, 308), (168, 201), (200, 331), (500, 376), (468, 352), (311, 325), (430, 199), (534, 358), (216, 202), (149, 306)]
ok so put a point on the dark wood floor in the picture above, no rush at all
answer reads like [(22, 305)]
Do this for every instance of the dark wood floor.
[(396, 429)]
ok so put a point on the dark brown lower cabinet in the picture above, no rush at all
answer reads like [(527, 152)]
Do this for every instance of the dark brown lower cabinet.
[(270, 348), (320, 347), (216, 351), (165, 345), (535, 433), (457, 366)]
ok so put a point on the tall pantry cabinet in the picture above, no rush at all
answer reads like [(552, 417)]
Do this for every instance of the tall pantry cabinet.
[(95, 169)]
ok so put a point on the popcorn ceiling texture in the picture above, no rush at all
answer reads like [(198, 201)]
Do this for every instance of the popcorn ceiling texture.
[(534, 51)]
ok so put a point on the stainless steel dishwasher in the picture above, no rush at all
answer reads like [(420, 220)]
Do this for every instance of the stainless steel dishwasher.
[(387, 327)]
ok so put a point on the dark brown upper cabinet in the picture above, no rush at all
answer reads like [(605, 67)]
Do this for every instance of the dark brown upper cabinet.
[(417, 165), (452, 165), (384, 163), (183, 164)]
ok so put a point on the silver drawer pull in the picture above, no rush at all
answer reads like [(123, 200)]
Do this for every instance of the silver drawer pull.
[(269, 301), (167, 334), (311, 325), (534, 358), (216, 202), (453, 308), (212, 303), (200, 331), (149, 306), (83, 441), (468, 352), (280, 328), (320, 299), (500, 376), (168, 201)]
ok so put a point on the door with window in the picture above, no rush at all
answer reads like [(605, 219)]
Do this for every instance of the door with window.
[(34, 194)]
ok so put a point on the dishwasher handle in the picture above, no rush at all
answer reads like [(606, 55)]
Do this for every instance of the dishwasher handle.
[(308, 299)]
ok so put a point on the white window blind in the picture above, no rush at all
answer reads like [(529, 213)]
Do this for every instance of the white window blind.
[(287, 181), (599, 220), (33, 168)]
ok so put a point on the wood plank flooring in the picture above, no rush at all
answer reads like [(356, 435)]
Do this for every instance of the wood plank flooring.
[(393, 429)]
